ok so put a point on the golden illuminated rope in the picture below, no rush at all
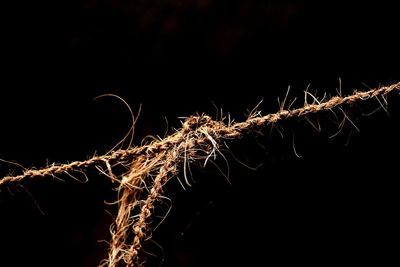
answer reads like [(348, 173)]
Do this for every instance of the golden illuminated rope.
[(199, 138)]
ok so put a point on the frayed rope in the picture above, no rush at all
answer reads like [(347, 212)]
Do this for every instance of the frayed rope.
[(199, 139)]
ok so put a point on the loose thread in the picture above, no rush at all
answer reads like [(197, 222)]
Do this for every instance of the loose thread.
[(199, 138)]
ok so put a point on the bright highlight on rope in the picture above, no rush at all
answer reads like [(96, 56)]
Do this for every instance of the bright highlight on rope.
[(151, 166)]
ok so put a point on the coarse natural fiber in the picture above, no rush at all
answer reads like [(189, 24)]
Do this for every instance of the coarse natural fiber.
[(152, 165)]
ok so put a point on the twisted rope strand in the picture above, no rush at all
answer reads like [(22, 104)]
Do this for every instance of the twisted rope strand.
[(199, 138)]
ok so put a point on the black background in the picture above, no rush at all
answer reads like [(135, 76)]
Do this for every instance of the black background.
[(335, 204)]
